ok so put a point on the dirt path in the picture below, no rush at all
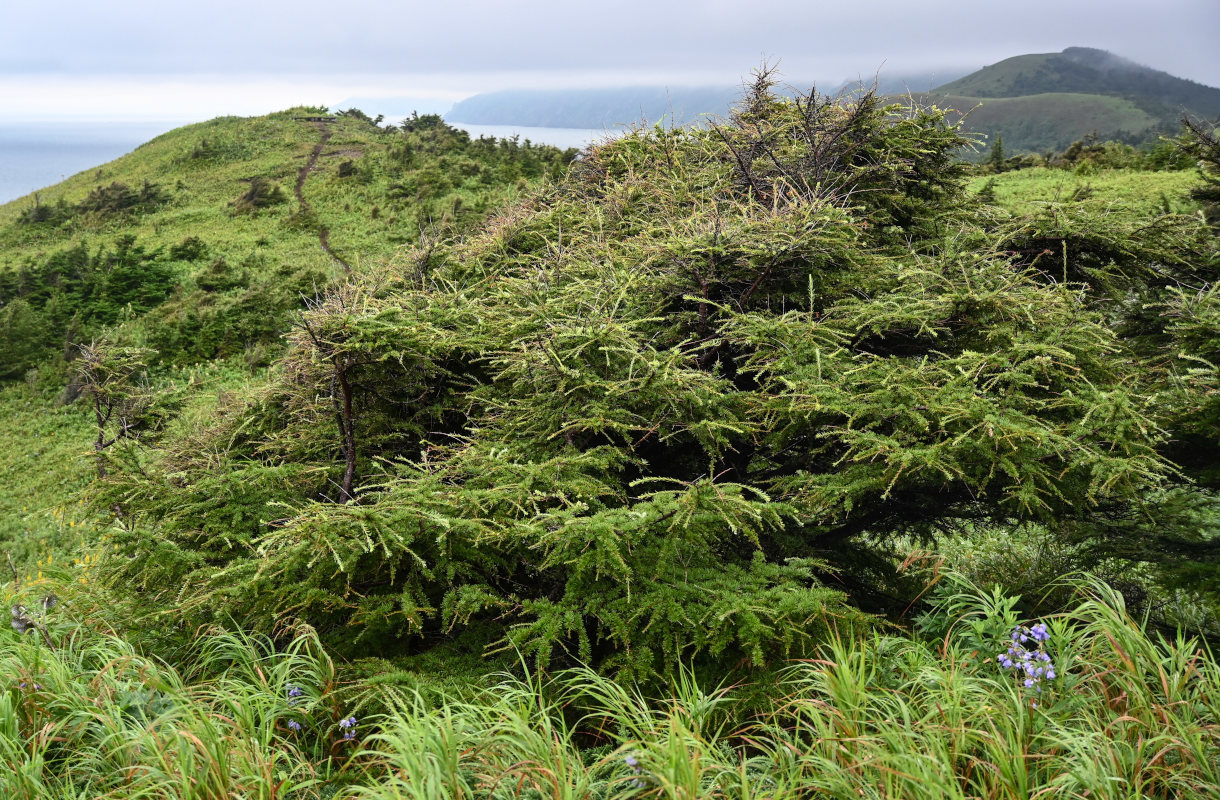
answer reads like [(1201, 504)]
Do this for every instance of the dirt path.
[(303, 204)]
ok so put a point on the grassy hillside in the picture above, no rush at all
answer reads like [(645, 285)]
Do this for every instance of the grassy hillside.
[(1119, 190), (1045, 101), (202, 244), (490, 441), (1045, 122), (215, 230)]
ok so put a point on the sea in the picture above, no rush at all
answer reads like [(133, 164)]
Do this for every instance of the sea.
[(34, 155)]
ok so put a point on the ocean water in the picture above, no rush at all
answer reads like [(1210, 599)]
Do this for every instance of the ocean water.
[(34, 155), (559, 137)]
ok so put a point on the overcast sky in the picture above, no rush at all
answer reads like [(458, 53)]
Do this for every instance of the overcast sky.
[(169, 59)]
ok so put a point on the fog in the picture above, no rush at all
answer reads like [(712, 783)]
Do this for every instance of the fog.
[(132, 58)]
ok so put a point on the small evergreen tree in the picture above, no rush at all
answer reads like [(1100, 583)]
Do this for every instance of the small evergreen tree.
[(996, 158), (110, 378)]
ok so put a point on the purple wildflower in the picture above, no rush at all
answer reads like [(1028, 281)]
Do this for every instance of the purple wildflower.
[(1033, 663), (634, 763), (292, 723)]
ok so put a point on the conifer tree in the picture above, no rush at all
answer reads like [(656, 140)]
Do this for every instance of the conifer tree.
[(648, 413), (995, 161), (109, 377)]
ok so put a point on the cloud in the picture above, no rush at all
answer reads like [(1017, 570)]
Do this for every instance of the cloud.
[(466, 46)]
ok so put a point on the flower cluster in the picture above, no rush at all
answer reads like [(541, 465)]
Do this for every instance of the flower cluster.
[(1027, 655), (294, 693), (634, 763)]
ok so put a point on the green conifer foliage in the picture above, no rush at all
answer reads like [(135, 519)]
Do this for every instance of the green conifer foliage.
[(633, 419)]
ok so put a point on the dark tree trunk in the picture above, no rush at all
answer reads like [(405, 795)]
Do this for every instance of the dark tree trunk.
[(99, 444), (347, 428)]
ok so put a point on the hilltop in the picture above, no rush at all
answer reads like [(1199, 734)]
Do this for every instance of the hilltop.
[(219, 228), (1045, 101), (1086, 70)]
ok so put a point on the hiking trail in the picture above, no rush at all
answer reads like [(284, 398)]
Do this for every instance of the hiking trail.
[(303, 204)]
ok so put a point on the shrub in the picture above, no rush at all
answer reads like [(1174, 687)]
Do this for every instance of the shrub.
[(262, 193), (119, 198), (191, 248)]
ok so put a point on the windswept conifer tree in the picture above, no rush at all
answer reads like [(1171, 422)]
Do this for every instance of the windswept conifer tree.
[(649, 413), (110, 378)]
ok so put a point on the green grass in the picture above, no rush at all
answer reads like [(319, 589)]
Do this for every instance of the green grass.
[(201, 190), (1041, 122), (884, 716), (1027, 190), (47, 463), (42, 465)]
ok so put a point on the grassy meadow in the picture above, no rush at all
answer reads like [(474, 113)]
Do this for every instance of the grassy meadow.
[(1141, 191), (512, 496)]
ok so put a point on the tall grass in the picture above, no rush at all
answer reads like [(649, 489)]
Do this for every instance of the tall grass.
[(92, 718), (884, 716)]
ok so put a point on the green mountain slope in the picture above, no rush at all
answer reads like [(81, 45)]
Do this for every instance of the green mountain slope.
[(1047, 121), (1090, 71), (207, 237), (1048, 100)]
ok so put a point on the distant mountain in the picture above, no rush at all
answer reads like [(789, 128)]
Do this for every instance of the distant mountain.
[(902, 84), (610, 108), (1089, 71), (594, 108), (1048, 100)]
